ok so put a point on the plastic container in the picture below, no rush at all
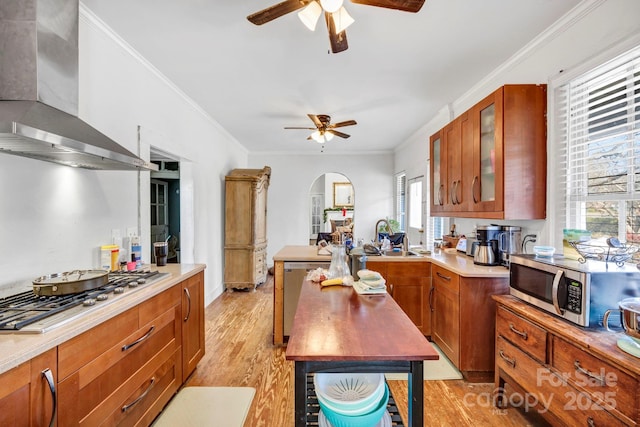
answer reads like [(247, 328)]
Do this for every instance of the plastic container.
[(365, 420), (348, 391), (544, 251)]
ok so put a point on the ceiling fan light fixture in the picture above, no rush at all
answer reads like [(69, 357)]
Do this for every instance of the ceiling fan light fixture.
[(342, 19), (331, 5), (328, 136), (317, 137), (310, 14)]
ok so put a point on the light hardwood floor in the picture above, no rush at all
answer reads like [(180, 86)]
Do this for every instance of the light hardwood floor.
[(240, 353)]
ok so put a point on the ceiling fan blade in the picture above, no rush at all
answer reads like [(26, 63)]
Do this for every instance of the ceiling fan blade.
[(315, 120), (276, 11), (342, 124), (293, 127), (338, 40), (338, 133), (403, 5)]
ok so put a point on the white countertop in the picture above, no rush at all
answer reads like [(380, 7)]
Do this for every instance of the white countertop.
[(18, 348), (458, 262)]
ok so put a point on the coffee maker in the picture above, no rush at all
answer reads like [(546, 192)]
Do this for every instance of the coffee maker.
[(487, 252), (509, 242)]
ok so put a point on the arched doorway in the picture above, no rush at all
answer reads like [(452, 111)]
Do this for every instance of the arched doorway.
[(331, 203)]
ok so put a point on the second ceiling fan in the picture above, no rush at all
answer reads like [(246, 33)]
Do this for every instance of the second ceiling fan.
[(336, 16), (324, 130)]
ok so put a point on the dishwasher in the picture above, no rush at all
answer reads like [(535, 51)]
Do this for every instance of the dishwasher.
[(294, 274)]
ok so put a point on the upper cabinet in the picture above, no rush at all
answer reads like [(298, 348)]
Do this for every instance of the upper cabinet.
[(490, 162)]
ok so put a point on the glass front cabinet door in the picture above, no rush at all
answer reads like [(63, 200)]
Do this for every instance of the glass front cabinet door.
[(438, 173), (486, 183)]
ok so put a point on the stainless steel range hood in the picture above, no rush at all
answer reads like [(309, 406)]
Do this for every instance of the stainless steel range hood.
[(39, 90)]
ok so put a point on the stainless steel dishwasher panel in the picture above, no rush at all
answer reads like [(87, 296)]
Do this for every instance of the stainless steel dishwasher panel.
[(294, 274)]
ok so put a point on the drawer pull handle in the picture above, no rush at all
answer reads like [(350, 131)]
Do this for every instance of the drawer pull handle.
[(186, 291), (431, 299), (442, 276), (523, 334), (590, 422), (139, 340), (473, 189), (510, 361), (48, 376), (591, 375), (125, 408)]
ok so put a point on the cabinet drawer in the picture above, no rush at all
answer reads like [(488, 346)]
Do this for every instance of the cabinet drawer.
[(79, 351), (528, 337), (409, 269), (141, 398), (602, 381), (549, 391), (102, 385), (446, 278)]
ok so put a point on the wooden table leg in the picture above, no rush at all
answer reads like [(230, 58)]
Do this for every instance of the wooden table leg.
[(416, 394), (300, 394)]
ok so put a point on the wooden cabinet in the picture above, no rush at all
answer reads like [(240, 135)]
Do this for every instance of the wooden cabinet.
[(192, 323), (408, 283), (463, 320), (123, 371), (446, 313), (438, 156), (577, 376), (245, 229), (499, 141), (26, 396)]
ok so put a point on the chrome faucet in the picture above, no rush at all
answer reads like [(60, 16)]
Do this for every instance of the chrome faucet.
[(375, 238)]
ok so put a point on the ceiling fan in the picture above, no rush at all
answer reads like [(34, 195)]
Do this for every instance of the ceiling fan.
[(324, 130), (336, 16)]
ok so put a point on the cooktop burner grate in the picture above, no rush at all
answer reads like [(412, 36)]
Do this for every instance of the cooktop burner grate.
[(19, 311)]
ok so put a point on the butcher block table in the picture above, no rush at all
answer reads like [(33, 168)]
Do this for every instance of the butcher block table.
[(337, 330)]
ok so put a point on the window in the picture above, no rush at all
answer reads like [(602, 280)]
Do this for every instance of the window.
[(401, 199), (599, 149), (415, 203)]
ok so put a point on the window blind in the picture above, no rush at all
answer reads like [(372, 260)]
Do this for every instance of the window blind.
[(401, 199), (598, 134)]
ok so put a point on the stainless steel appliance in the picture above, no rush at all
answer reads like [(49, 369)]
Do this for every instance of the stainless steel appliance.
[(578, 292), (487, 248), (509, 242), (294, 274), (29, 313)]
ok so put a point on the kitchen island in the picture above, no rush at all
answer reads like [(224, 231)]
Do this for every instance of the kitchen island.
[(121, 362), (337, 330), (447, 297)]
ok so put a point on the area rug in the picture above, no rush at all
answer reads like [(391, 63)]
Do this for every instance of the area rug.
[(207, 406), (441, 369)]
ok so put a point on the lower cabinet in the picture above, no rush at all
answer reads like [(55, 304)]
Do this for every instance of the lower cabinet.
[(26, 392), (121, 372), (125, 370), (572, 374), (463, 320), (192, 318), (445, 303), (408, 283)]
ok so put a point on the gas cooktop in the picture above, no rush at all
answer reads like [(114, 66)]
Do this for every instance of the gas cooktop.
[(27, 312)]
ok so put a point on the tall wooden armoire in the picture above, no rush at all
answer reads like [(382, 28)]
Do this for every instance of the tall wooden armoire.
[(245, 228)]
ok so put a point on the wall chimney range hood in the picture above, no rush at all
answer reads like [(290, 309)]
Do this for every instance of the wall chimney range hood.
[(39, 90)]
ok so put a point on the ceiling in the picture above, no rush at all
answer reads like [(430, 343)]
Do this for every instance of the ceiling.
[(399, 71)]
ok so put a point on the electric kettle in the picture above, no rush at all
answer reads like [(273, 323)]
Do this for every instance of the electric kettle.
[(487, 253)]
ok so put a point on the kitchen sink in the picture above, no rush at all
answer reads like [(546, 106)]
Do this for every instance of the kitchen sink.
[(400, 254)]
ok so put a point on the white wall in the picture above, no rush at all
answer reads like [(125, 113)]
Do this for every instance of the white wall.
[(593, 32), (53, 218), (292, 177)]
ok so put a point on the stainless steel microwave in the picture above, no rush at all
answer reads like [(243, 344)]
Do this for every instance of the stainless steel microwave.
[(577, 292)]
